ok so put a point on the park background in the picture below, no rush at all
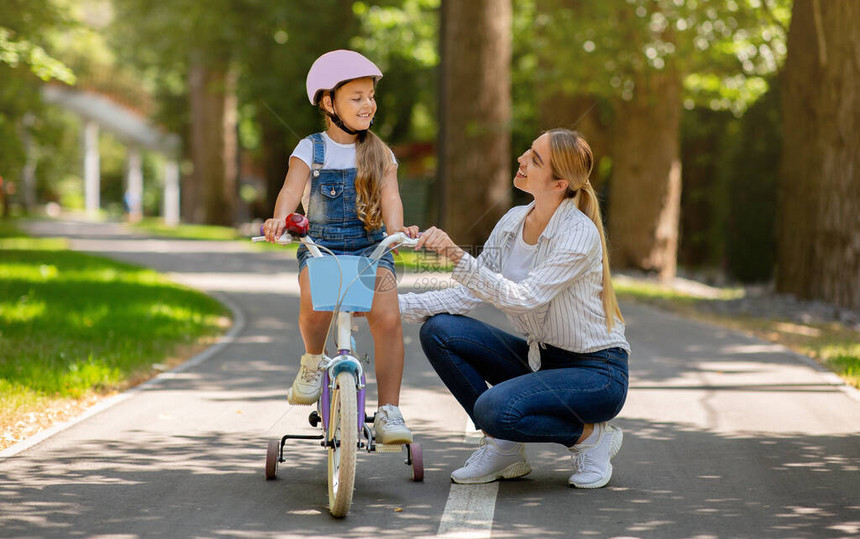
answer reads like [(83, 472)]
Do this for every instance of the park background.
[(726, 132)]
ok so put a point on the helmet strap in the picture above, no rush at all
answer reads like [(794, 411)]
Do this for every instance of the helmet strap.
[(362, 133)]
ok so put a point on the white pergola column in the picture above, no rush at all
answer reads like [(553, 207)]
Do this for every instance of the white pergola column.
[(28, 173), (134, 185), (92, 179), (171, 193)]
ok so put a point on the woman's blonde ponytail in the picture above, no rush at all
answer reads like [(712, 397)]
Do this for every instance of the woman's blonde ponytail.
[(572, 160)]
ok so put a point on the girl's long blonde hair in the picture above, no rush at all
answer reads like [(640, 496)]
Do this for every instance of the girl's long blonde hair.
[(372, 158), (572, 160)]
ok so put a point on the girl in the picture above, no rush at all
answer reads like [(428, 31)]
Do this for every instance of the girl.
[(545, 266), (346, 179)]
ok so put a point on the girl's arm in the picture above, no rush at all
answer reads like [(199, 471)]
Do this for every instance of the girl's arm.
[(392, 205), (288, 198)]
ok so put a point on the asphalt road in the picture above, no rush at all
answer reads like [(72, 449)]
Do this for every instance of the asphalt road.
[(725, 436)]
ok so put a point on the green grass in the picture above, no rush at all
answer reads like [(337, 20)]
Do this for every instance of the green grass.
[(831, 344), (189, 232), (423, 261), (74, 325)]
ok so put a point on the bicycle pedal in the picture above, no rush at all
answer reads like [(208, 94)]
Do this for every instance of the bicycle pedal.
[(389, 448)]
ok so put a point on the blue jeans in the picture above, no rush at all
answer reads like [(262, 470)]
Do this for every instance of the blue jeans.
[(550, 405)]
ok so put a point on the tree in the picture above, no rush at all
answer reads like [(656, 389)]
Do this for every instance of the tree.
[(474, 151), (26, 62), (819, 208), (282, 41), (210, 191), (22, 26), (195, 42), (652, 58)]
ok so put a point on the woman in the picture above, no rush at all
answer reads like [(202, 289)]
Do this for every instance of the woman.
[(545, 266)]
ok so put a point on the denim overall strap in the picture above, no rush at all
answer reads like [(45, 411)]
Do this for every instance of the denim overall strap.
[(331, 210), (319, 153)]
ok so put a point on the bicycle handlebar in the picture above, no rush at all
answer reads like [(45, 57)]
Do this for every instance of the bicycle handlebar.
[(399, 239)]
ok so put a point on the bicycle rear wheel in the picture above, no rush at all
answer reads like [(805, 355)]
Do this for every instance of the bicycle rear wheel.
[(342, 444)]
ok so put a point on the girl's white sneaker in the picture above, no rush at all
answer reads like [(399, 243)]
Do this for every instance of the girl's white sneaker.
[(390, 427), (307, 387)]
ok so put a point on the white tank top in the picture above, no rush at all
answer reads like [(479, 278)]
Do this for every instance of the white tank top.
[(520, 260)]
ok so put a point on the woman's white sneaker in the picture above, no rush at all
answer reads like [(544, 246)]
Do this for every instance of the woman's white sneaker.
[(591, 463), (489, 463)]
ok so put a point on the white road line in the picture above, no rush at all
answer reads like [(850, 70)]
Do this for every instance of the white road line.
[(469, 511), (470, 508)]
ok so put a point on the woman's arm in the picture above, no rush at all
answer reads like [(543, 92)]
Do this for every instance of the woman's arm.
[(571, 255), (416, 308), (575, 253), (288, 198)]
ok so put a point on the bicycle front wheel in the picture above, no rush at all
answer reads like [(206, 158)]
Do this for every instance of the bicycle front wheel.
[(342, 444)]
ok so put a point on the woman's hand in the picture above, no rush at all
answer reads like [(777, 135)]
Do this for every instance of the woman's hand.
[(273, 229), (437, 240)]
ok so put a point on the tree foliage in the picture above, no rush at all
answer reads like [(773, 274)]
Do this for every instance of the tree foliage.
[(26, 62), (725, 49), (23, 27)]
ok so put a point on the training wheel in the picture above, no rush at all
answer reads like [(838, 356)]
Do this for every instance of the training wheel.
[(415, 458), (272, 458)]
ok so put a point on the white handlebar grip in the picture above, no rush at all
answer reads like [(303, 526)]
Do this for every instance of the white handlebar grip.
[(281, 240)]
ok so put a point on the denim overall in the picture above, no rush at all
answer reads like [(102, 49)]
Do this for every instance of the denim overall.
[(334, 223)]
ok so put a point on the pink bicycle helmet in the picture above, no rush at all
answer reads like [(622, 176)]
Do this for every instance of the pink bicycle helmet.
[(335, 67)]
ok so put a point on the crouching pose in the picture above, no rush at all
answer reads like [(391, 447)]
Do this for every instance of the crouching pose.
[(545, 266)]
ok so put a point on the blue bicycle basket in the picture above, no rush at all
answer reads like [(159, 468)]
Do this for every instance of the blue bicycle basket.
[(354, 276)]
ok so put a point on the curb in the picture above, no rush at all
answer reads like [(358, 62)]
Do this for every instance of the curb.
[(239, 322)]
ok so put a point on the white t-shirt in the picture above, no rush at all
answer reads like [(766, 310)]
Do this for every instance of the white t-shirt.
[(520, 261), (337, 156)]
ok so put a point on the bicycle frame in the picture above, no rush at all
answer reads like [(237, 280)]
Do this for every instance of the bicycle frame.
[(342, 363)]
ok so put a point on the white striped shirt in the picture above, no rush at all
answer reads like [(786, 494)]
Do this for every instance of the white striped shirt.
[(558, 303)]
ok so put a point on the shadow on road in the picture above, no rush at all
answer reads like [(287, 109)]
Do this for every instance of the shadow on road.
[(215, 486)]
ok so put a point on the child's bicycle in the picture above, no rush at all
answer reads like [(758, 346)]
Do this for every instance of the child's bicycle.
[(343, 284)]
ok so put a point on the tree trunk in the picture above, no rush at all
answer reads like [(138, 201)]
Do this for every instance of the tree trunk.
[(645, 188), (475, 162), (580, 113), (275, 156), (818, 236), (210, 193)]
